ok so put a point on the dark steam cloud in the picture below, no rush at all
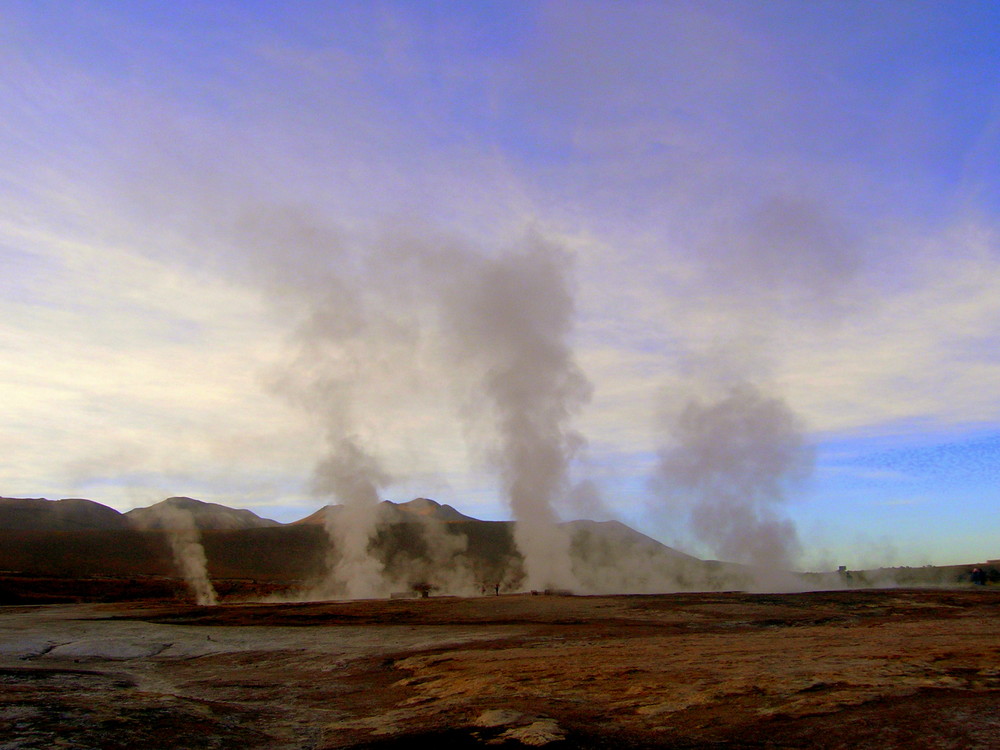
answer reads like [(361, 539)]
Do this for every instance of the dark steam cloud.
[(189, 555), (406, 317), (354, 477), (731, 458), (786, 254), (729, 465), (514, 318)]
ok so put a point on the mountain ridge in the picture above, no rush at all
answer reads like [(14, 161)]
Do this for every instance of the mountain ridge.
[(67, 514), (390, 512), (203, 515), (420, 539)]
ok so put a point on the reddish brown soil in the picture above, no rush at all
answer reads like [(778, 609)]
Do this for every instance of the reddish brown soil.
[(846, 669)]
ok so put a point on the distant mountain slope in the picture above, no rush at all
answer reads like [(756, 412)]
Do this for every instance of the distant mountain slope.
[(70, 514), (390, 512), (616, 538), (205, 515), (426, 508), (610, 557), (417, 542)]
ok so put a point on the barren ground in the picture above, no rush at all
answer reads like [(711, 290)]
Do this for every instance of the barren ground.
[(846, 669)]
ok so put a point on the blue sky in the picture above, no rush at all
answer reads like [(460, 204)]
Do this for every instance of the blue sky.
[(801, 196)]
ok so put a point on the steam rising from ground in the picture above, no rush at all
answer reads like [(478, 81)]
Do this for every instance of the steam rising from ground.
[(353, 477), (733, 449), (486, 334), (514, 318), (729, 464), (185, 542), (400, 320), (496, 328)]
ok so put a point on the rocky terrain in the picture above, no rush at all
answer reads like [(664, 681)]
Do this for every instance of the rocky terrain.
[(845, 669)]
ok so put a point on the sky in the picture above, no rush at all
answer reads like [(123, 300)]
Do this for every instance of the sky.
[(238, 237)]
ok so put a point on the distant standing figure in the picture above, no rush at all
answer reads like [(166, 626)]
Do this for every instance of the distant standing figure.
[(496, 588), (978, 577)]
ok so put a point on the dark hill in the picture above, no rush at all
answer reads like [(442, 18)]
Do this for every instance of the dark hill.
[(390, 512), (71, 514), (175, 511), (318, 518), (418, 542), (421, 507)]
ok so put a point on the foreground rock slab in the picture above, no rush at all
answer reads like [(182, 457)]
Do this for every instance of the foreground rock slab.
[(844, 669)]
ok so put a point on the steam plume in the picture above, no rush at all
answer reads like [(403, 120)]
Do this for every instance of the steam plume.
[(732, 457), (515, 319), (730, 463), (189, 554), (439, 559), (404, 317), (353, 477), (335, 343)]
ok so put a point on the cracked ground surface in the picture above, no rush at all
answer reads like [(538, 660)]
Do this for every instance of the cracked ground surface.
[(845, 669)]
